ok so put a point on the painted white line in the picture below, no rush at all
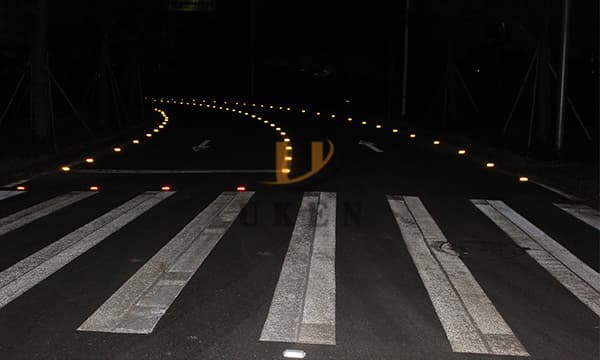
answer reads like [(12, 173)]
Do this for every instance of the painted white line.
[(138, 305), (35, 212), (303, 305), (174, 171), (370, 145), (470, 320), (555, 190), (572, 273), (32, 270), (582, 212), (4, 194)]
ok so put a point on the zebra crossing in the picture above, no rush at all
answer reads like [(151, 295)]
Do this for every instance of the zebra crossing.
[(303, 306)]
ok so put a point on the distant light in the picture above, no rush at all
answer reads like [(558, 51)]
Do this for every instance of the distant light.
[(266, 121), (289, 109), (288, 158), (283, 133), (246, 113), (378, 126), (285, 171), (65, 168), (364, 123), (161, 126), (117, 149), (155, 130), (413, 136), (347, 101), (253, 105), (244, 104), (270, 107), (286, 140), (94, 188), (395, 130), (278, 129), (288, 148), (462, 152), (436, 142), (253, 116), (303, 111), (149, 135), (241, 188), (166, 188), (523, 179), (259, 118), (135, 141), (349, 119), (490, 165), (262, 105), (89, 160), (318, 113), (333, 116), (273, 125), (281, 108), (477, 70), (21, 188), (220, 108)]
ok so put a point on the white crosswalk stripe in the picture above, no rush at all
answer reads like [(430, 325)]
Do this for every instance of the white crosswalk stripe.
[(5, 194), (470, 320), (565, 267), (139, 304), (582, 212), (32, 270), (35, 212), (303, 306)]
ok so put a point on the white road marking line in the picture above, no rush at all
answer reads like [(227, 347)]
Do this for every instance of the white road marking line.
[(572, 273), (555, 190), (32, 270), (584, 213), (138, 305), (303, 305), (35, 212), (174, 171), (4, 194), (471, 322)]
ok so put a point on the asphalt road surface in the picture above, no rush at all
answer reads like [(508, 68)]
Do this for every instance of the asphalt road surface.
[(394, 250)]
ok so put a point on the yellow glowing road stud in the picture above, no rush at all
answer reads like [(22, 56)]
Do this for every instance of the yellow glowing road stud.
[(349, 119), (303, 111), (288, 158), (364, 123), (65, 168), (436, 142), (288, 148), (282, 133), (412, 136), (277, 129), (21, 188), (155, 130), (148, 135), (161, 126), (378, 126), (523, 179), (395, 130), (286, 140), (333, 116), (318, 113), (462, 152), (490, 165), (285, 171), (89, 160), (135, 141), (117, 149)]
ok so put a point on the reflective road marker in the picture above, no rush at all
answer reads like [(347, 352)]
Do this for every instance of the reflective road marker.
[(139, 304), (303, 306), (32, 270), (581, 280), (584, 213), (470, 320), (26, 216), (4, 194)]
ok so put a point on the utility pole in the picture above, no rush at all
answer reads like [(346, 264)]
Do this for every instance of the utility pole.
[(564, 48), (405, 63), (40, 82)]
